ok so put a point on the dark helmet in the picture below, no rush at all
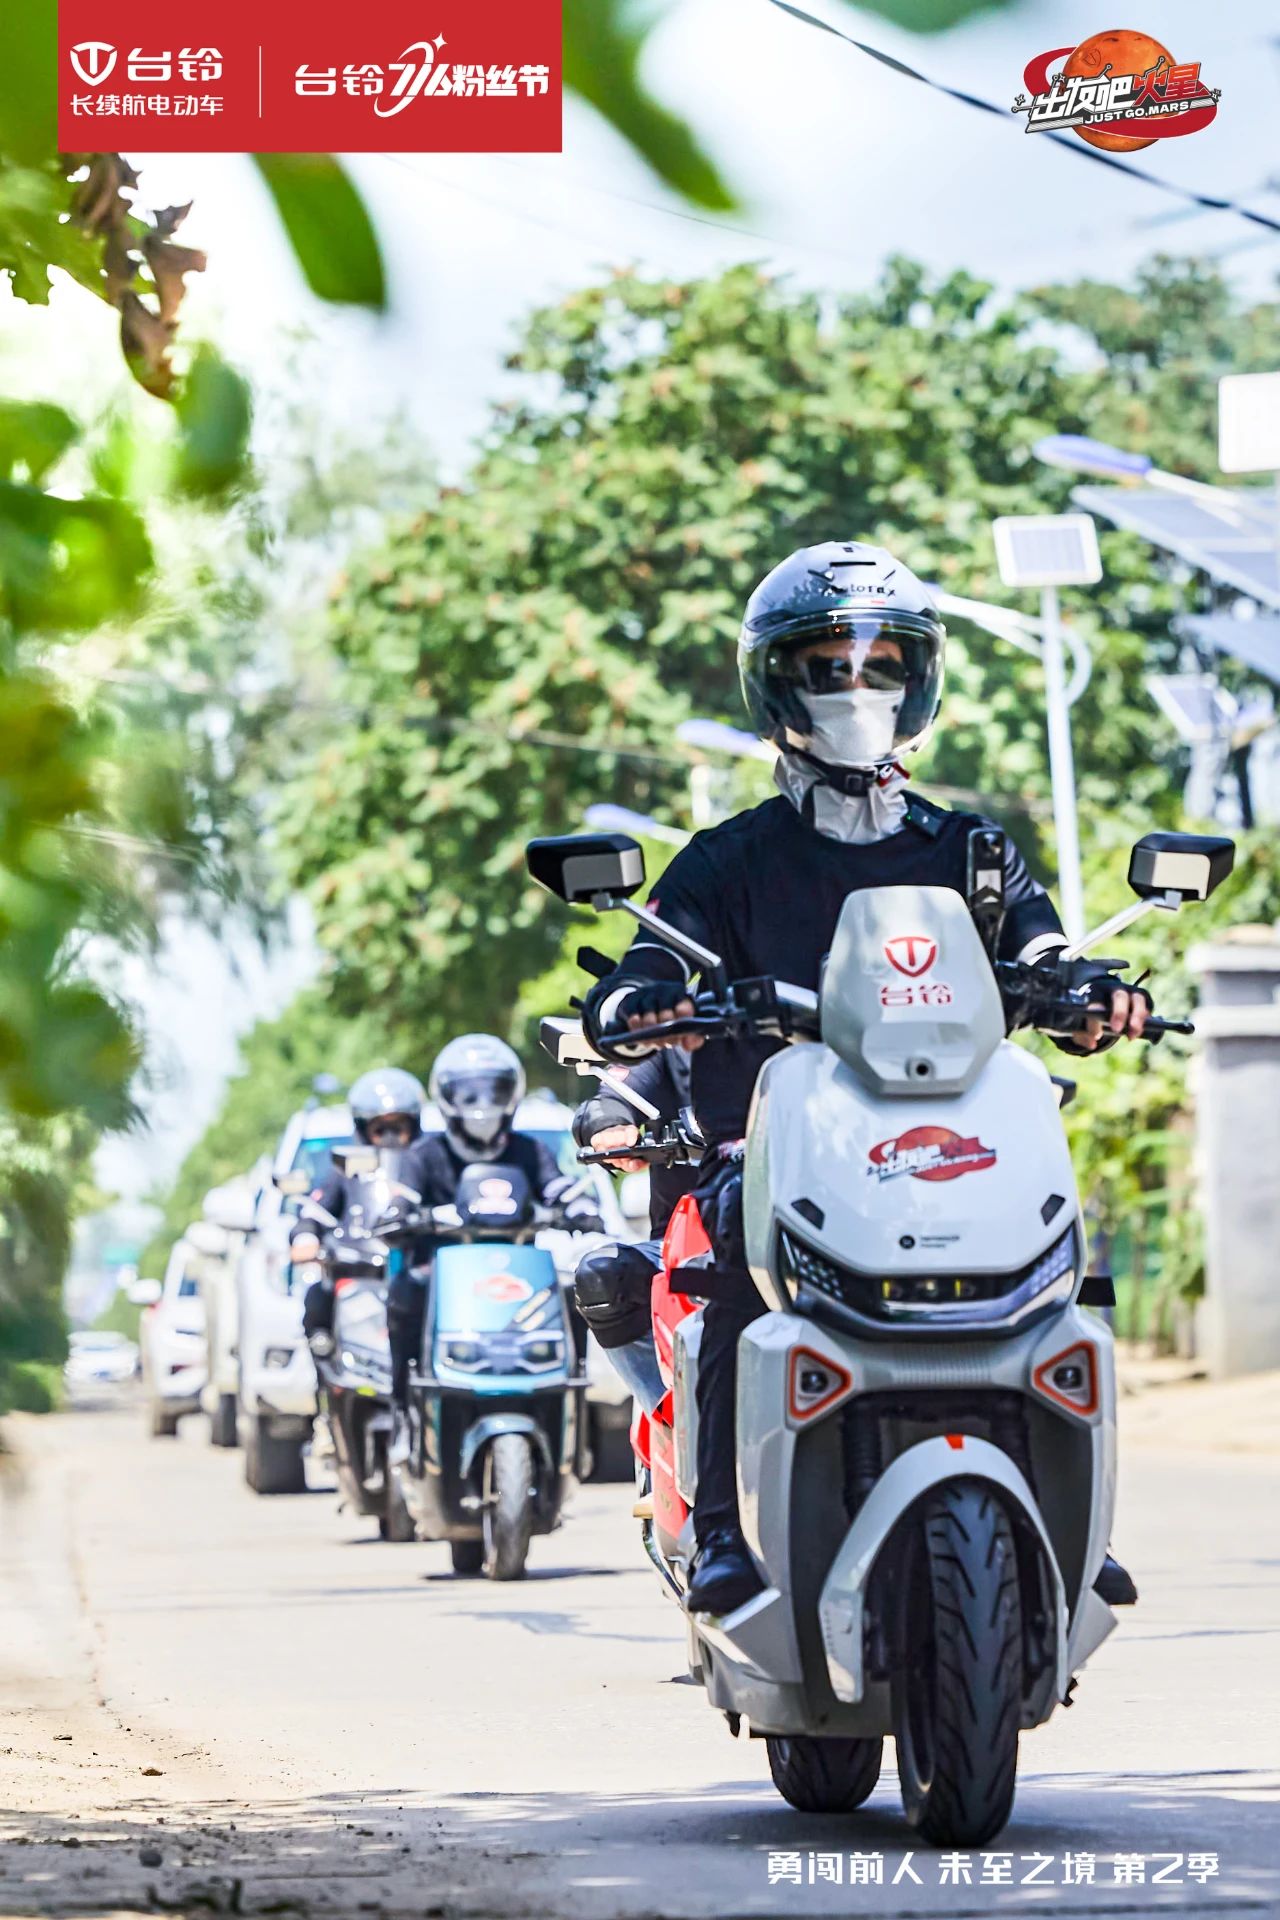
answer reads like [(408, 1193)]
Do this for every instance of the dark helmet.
[(384, 1093), (477, 1082), (840, 590)]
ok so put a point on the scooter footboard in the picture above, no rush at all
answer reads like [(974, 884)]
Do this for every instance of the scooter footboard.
[(905, 1482)]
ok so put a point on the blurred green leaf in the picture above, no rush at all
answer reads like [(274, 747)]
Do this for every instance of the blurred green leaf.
[(931, 16), (34, 435), (329, 229), (603, 42), (215, 413), (28, 81), (66, 564)]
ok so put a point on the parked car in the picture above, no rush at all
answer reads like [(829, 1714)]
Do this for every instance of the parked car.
[(172, 1343), (219, 1240), (276, 1375), (99, 1360)]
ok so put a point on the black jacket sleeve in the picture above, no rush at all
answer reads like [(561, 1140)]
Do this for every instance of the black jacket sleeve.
[(652, 1079), (546, 1168), (1031, 924), (688, 897), (331, 1194)]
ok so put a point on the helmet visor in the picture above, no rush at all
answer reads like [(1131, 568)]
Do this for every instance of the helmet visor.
[(466, 1091), (848, 651)]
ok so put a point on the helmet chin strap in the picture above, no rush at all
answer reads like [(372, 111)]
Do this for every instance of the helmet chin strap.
[(855, 782)]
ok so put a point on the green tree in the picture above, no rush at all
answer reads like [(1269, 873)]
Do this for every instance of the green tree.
[(528, 644)]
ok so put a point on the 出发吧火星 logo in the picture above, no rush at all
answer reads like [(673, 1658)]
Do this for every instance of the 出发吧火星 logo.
[(1119, 91)]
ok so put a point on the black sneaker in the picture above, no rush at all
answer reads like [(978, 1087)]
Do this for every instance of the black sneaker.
[(1114, 1584), (724, 1575)]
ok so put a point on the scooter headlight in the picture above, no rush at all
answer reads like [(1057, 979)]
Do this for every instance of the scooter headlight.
[(930, 1301), (543, 1350), (467, 1355)]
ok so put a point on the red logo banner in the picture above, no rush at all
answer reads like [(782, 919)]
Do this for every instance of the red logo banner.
[(408, 76)]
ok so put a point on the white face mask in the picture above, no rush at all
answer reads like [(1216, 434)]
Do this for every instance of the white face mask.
[(852, 729)]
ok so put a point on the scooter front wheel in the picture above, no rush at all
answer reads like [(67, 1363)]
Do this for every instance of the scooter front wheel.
[(823, 1776), (508, 1506), (957, 1688)]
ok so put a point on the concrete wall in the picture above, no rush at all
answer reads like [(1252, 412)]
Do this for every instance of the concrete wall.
[(1238, 1152)]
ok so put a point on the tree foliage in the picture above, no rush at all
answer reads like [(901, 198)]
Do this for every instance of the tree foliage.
[(528, 643)]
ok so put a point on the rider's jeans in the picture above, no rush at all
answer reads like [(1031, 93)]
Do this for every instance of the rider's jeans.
[(636, 1365)]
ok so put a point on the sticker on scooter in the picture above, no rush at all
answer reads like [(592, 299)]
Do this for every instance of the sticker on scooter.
[(911, 953), (930, 1153), (494, 1195), (504, 1287)]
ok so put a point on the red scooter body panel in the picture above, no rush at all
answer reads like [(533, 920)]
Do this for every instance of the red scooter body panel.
[(685, 1240)]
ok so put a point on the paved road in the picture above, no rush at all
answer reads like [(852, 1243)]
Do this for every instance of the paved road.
[(218, 1703)]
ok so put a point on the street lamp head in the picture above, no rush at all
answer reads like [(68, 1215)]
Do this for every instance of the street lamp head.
[(715, 736), (606, 818), (1078, 454)]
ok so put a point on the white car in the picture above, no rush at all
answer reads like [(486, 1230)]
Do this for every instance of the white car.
[(219, 1241), (99, 1360), (172, 1342), (276, 1375)]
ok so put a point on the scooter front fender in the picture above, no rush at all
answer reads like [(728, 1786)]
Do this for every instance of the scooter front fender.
[(903, 1483), (490, 1425)]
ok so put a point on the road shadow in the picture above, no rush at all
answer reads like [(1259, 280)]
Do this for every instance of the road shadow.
[(677, 1855)]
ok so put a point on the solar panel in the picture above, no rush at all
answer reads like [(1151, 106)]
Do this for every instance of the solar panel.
[(1047, 550), (1256, 642), (1232, 537), (1194, 703), (1249, 422)]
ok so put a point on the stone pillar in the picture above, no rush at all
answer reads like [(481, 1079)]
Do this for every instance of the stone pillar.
[(1238, 1148)]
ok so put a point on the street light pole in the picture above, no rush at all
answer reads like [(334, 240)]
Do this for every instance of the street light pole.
[(1050, 550), (1061, 765)]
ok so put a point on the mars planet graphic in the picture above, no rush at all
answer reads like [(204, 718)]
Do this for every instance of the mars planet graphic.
[(1115, 53)]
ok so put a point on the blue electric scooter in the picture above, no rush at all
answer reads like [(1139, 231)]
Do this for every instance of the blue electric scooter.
[(497, 1428)]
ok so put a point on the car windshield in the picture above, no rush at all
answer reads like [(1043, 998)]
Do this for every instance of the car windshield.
[(315, 1158), (560, 1143)]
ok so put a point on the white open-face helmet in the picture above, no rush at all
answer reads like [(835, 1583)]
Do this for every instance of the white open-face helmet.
[(841, 655), (477, 1082)]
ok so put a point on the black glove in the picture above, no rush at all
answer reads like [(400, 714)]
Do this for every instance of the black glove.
[(1100, 990), (616, 1041)]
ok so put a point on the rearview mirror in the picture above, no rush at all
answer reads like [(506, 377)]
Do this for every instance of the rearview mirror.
[(207, 1238), (358, 1163), (587, 867), (565, 1041), (230, 1207), (294, 1180), (1188, 864)]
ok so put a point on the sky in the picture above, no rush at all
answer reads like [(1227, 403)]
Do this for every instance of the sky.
[(837, 161)]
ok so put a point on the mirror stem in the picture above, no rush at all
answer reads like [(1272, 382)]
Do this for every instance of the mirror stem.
[(1125, 918)]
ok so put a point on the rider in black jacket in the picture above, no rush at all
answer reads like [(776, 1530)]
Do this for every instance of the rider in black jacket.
[(477, 1083), (386, 1111), (841, 656)]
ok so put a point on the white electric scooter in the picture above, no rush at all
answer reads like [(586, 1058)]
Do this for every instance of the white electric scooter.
[(926, 1418)]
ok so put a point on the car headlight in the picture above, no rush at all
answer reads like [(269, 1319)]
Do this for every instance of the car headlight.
[(278, 1356)]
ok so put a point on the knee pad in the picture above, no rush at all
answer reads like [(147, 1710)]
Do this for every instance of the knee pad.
[(612, 1287)]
